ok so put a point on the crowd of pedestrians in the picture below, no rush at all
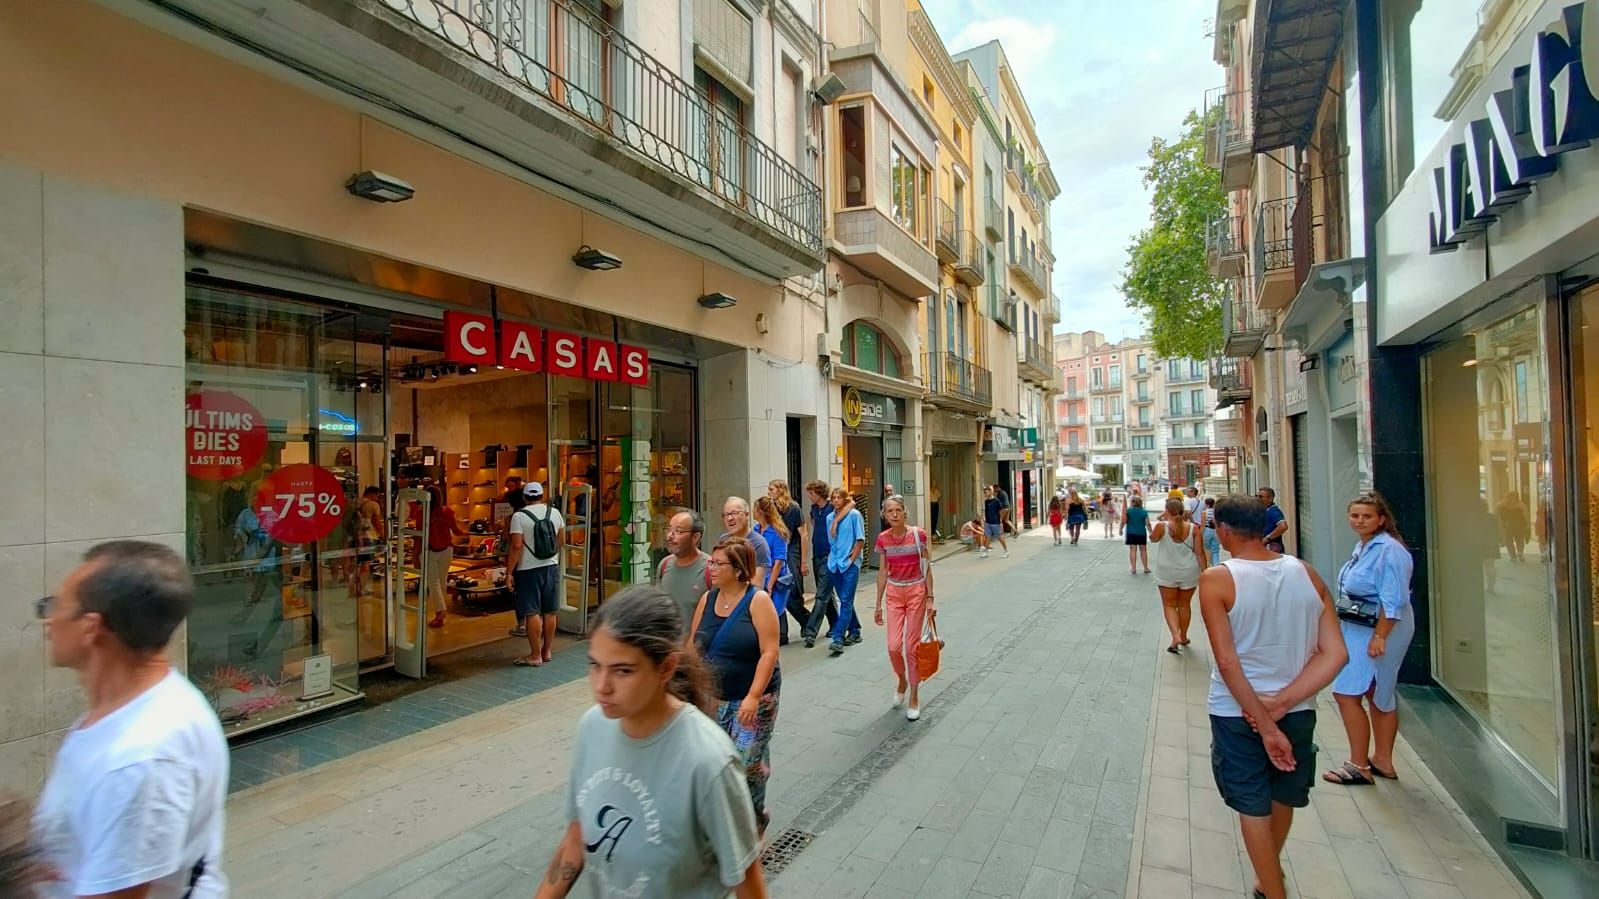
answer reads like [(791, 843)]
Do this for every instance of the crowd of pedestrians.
[(687, 677)]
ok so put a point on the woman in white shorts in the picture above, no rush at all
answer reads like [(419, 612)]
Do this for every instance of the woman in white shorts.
[(1179, 557)]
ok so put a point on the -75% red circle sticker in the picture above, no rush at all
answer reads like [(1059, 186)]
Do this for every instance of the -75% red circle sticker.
[(299, 503)]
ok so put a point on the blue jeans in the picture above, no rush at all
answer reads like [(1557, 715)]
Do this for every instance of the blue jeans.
[(823, 605), (1212, 545), (844, 585)]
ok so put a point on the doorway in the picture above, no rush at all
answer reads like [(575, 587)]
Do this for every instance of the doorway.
[(863, 477)]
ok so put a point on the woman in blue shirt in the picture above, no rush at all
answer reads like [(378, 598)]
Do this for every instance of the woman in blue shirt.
[(771, 528), (1136, 534), (1379, 570)]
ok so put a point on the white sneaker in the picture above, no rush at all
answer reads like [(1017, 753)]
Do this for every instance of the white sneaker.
[(899, 699), (983, 554), (913, 713), (1005, 554)]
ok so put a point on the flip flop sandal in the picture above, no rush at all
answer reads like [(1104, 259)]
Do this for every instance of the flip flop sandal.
[(523, 662), (1386, 775), (1350, 775)]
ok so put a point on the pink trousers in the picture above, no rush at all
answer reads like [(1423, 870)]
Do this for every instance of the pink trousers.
[(903, 611)]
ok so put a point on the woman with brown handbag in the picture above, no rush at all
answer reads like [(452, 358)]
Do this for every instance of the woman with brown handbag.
[(905, 589)]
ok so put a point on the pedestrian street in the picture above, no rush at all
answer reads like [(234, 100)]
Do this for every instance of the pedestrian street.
[(1060, 753)]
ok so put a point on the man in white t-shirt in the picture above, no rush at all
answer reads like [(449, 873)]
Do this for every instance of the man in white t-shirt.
[(133, 804), (1191, 502), (533, 572)]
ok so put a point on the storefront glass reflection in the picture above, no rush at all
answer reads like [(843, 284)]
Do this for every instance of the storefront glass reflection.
[(1492, 575)]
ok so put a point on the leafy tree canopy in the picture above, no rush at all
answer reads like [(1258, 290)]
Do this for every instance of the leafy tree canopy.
[(1166, 277)]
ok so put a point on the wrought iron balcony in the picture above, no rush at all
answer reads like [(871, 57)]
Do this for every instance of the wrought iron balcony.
[(954, 382), (1183, 373), (1229, 135), (1230, 378), (1034, 361), (1108, 385), (1052, 307), (944, 238), (969, 262), (1243, 328), (1028, 268), (1274, 253), (558, 93), (1224, 246), (994, 219)]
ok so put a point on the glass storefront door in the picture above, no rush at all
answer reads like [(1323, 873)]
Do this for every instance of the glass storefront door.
[(1493, 576), (274, 422)]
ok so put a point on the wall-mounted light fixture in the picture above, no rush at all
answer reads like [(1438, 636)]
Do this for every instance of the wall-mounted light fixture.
[(596, 260), (378, 187), (1310, 363), (717, 300)]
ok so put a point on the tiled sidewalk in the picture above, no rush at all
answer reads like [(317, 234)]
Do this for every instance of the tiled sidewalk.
[(1404, 839)]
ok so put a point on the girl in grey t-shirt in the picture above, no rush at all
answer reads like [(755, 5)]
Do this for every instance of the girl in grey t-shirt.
[(656, 802)]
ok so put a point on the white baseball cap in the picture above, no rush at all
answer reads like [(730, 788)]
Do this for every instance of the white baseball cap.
[(533, 490)]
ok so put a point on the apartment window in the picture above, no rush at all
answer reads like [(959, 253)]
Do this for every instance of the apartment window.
[(1071, 442), (927, 90), (1097, 377), (1177, 433), (1115, 405), (866, 347), (1145, 442), (1071, 385), (725, 141), (1143, 416), (1199, 433), (852, 130), (904, 197), (1010, 233), (1196, 400), (1143, 392), (1143, 363), (960, 136), (925, 203), (1196, 369), (1115, 375), (1104, 435), (1174, 402), (1099, 407)]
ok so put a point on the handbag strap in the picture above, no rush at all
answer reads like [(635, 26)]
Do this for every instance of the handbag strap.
[(727, 623)]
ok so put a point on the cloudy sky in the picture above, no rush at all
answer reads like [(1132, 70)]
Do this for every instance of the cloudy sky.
[(1101, 78)]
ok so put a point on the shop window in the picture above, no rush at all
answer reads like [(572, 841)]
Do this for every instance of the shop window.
[(1492, 575), (867, 347)]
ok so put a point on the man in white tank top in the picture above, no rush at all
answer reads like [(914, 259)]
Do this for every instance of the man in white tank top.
[(1275, 643)]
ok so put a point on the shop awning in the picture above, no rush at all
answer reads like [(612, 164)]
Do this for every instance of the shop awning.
[(1294, 47), (1081, 474)]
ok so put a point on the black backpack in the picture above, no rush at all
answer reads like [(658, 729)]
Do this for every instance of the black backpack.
[(543, 543)]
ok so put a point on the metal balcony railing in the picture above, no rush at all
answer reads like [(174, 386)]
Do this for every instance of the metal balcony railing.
[(1243, 327), (1037, 354), (1184, 374), (1229, 125), (969, 259), (1274, 237), (568, 56), (949, 375), (1052, 307), (1026, 265), (944, 239), (1224, 245), (994, 219), (1230, 380)]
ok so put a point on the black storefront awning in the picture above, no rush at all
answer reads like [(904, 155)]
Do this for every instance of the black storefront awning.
[(1295, 42)]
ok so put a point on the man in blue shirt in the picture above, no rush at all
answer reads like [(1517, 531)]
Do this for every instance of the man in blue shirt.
[(844, 567), (821, 548), (1276, 521)]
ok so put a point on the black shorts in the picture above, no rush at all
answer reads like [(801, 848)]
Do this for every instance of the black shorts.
[(1247, 780), (538, 591), (1137, 539)]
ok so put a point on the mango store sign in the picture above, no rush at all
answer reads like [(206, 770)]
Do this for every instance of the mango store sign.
[(1551, 107), (470, 339)]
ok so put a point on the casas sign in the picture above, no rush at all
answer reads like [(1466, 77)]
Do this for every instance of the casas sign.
[(1551, 107), (469, 339), (226, 435)]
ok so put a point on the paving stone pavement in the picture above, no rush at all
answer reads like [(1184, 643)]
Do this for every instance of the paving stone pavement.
[(1024, 777)]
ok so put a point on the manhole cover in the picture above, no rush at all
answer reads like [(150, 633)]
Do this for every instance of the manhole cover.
[(781, 850)]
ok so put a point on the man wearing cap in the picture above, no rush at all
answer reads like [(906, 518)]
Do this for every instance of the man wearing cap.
[(535, 581)]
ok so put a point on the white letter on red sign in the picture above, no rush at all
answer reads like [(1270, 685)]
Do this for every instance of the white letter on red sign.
[(635, 365), (520, 347), (463, 337), (601, 361), (565, 353)]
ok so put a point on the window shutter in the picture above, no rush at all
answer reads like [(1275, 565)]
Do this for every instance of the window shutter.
[(725, 35)]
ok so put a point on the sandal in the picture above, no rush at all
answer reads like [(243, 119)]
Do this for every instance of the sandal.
[(525, 662), (1350, 775), (1386, 775)]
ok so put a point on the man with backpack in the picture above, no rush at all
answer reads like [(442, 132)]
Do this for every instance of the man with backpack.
[(533, 572)]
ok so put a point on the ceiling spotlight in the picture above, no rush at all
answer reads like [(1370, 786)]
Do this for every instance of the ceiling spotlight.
[(378, 187), (596, 260), (717, 300)]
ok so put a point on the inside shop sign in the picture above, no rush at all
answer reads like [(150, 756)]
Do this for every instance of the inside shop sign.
[(469, 339), (1551, 107), (226, 435)]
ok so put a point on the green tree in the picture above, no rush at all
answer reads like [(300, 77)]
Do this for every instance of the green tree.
[(1166, 277)]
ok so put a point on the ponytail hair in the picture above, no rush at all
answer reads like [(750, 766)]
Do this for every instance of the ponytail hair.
[(1379, 504), (646, 618)]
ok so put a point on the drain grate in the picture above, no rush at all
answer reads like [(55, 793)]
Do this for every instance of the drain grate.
[(780, 851)]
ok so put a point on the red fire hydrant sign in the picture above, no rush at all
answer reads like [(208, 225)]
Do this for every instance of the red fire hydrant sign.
[(226, 435), (299, 503)]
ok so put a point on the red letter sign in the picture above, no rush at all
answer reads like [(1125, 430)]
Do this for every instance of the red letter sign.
[(521, 347), (600, 361), (468, 338), (563, 354), (226, 435), (635, 365)]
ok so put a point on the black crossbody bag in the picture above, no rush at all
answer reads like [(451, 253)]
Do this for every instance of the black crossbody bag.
[(1362, 610)]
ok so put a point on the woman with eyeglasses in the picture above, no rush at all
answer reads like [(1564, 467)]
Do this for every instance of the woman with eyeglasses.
[(1377, 578), (904, 599), (735, 630)]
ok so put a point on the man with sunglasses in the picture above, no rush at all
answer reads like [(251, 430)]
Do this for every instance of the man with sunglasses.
[(133, 805)]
